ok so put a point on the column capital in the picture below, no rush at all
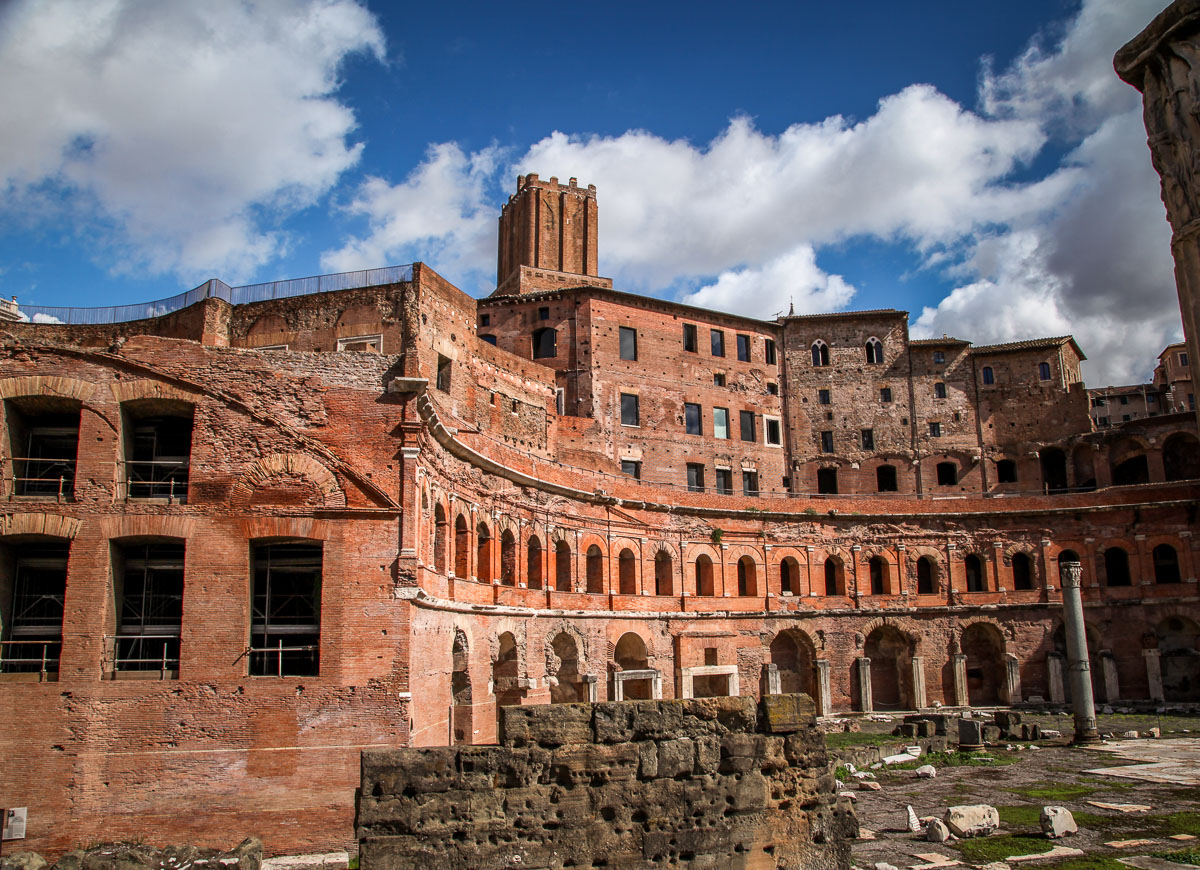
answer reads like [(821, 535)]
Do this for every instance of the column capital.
[(1070, 574)]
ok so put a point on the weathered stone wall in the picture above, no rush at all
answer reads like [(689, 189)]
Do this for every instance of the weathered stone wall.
[(722, 782)]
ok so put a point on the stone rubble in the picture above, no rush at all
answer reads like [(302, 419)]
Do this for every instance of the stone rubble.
[(973, 820), (1057, 822)]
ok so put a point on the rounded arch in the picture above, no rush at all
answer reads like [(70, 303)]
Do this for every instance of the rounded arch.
[(789, 575), (533, 562), (1053, 461), (627, 572), (1181, 456), (483, 553), (820, 353), (631, 652), (873, 349), (508, 669), (145, 388), (564, 656), (45, 385), (1129, 463), (926, 570), (747, 571), (1166, 564), (833, 568), (1115, 559), (508, 558), (48, 525), (664, 572), (563, 564), (975, 572), (462, 547), (794, 657), (890, 651), (287, 465), (594, 569), (703, 571)]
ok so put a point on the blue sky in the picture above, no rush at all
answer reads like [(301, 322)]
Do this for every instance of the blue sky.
[(978, 165)]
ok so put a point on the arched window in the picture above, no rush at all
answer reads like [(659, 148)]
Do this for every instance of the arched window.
[(562, 566), (704, 575), (878, 575), (974, 569), (483, 554), (462, 540), (874, 351), (885, 478), (627, 572), (789, 576), (595, 570), (663, 569), (1022, 568), (441, 528), (820, 353), (832, 577), (989, 376), (747, 576), (925, 576), (1044, 371), (947, 473), (508, 559), (1116, 567), (1166, 564), (533, 563), (545, 343)]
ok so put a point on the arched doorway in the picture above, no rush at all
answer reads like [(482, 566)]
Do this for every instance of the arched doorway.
[(983, 645), (926, 576), (835, 580), (704, 575), (508, 559), (973, 566), (595, 570), (747, 577), (890, 653), (627, 572), (795, 662), (441, 528), (506, 684), (462, 543), (1179, 650), (566, 684), (664, 567), (789, 576), (630, 655), (878, 571), (483, 554), (1022, 568), (460, 692)]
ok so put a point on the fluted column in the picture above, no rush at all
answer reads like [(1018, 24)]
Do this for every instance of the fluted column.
[(1077, 654)]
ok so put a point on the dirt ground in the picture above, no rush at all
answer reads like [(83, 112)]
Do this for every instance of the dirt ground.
[(1019, 782)]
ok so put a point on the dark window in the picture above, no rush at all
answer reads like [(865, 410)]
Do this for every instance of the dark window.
[(939, 390), (925, 576), (868, 439), (789, 576), (485, 320), (157, 452), (630, 415), (717, 340), (885, 478), (831, 577), (874, 352), (772, 388), (750, 483), (1183, 360), (631, 468), (692, 419), (443, 374), (1116, 566), (947, 474), (747, 425), (695, 477), (827, 481), (721, 423), (1098, 402), (33, 629), (543, 313), (939, 356), (44, 440), (489, 338), (718, 379), (826, 442), (974, 569), (878, 570), (148, 587), (628, 343), (1022, 568), (820, 353), (743, 348), (769, 351), (285, 621), (822, 397), (935, 430), (1044, 371), (1166, 564), (724, 481), (771, 429), (545, 343), (689, 337), (1006, 471), (885, 394), (989, 377), (560, 401)]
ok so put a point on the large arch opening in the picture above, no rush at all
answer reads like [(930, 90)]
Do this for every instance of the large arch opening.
[(1054, 469), (1116, 567), (890, 653), (983, 645), (795, 663), (747, 577), (704, 575), (627, 572), (1178, 642), (789, 576), (506, 683), (630, 655), (566, 683), (1084, 463), (462, 543)]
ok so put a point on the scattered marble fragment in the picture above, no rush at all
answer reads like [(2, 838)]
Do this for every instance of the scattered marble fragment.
[(898, 759), (868, 785), (936, 831), (1122, 808), (1130, 735), (914, 751), (849, 795), (863, 774), (913, 823), (1058, 822), (1153, 733), (926, 771), (1056, 852), (884, 865), (1051, 734), (1182, 837), (934, 859), (972, 820), (1129, 844)]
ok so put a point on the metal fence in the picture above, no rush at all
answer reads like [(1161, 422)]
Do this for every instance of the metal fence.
[(214, 289)]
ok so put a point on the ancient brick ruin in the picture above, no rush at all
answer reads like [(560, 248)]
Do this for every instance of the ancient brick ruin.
[(723, 782), (262, 529)]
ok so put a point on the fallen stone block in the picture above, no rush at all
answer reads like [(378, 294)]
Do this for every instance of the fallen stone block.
[(1050, 734), (1056, 852), (900, 758), (1153, 733), (912, 822), (937, 831), (934, 859), (1122, 808), (1057, 822), (972, 820), (926, 771), (1130, 735), (1129, 844), (868, 785)]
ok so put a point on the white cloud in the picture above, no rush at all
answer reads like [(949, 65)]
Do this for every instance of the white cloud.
[(791, 279), (176, 125)]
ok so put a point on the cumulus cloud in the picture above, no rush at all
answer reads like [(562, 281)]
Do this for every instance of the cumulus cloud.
[(790, 280), (180, 129)]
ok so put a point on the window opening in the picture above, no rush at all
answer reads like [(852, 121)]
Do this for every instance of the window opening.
[(443, 374), (630, 412), (743, 348), (877, 569), (947, 474), (939, 390), (868, 439), (769, 351), (44, 440), (148, 586), (285, 621), (33, 630), (1044, 371), (544, 313), (939, 356), (692, 418), (750, 483), (772, 430), (545, 343), (827, 442), (989, 376), (1116, 567), (628, 339), (746, 420), (485, 320), (820, 353), (718, 379), (158, 451), (747, 576), (823, 397), (772, 388), (935, 430), (1166, 564), (831, 577), (885, 478), (695, 477), (721, 423), (717, 340), (724, 481), (631, 468), (974, 570), (885, 395), (1022, 568), (361, 344), (827, 483), (925, 576), (1006, 471), (874, 351), (489, 338), (689, 337)]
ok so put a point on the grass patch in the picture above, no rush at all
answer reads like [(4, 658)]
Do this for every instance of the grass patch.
[(1171, 823), (353, 864), (1056, 791), (845, 739), (983, 850), (957, 759), (1089, 862), (1021, 816), (1186, 856)]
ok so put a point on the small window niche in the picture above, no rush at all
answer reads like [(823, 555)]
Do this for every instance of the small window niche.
[(443, 373), (157, 449)]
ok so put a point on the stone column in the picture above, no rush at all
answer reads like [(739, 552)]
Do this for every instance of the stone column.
[(1154, 673), (772, 673), (1070, 575), (1012, 679), (1163, 63), (865, 702), (1054, 678), (918, 682), (1108, 663), (592, 686), (961, 697), (824, 706)]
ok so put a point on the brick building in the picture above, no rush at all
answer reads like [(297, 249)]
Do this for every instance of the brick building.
[(250, 531)]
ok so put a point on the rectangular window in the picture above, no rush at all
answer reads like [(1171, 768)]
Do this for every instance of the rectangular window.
[(1124, 400), (772, 388), (33, 628), (631, 468), (717, 339), (361, 343), (771, 428), (750, 483), (1151, 399), (718, 379), (285, 620), (692, 419), (746, 418), (1103, 421), (44, 443), (885, 394), (939, 356), (689, 337), (939, 390), (1183, 360), (868, 439), (560, 401), (1098, 402), (628, 343), (935, 430), (695, 477), (443, 374), (1044, 371), (769, 351), (826, 442), (1191, 402), (485, 320), (157, 452), (489, 338), (724, 481), (743, 348), (630, 415), (544, 313), (822, 397), (148, 589), (1125, 418), (720, 422)]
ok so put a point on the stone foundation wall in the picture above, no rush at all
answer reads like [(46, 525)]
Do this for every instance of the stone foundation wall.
[(723, 782)]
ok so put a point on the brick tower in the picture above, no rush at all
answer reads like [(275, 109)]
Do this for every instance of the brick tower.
[(547, 237)]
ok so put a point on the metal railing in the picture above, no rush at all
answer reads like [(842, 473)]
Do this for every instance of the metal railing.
[(127, 653), (260, 660), (157, 478), (214, 289), (45, 478), (16, 657)]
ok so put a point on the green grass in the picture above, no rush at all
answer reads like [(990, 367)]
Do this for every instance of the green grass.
[(1060, 791), (353, 865), (1020, 816), (845, 739), (985, 849), (1171, 823), (957, 759), (1186, 856), (1089, 862)]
